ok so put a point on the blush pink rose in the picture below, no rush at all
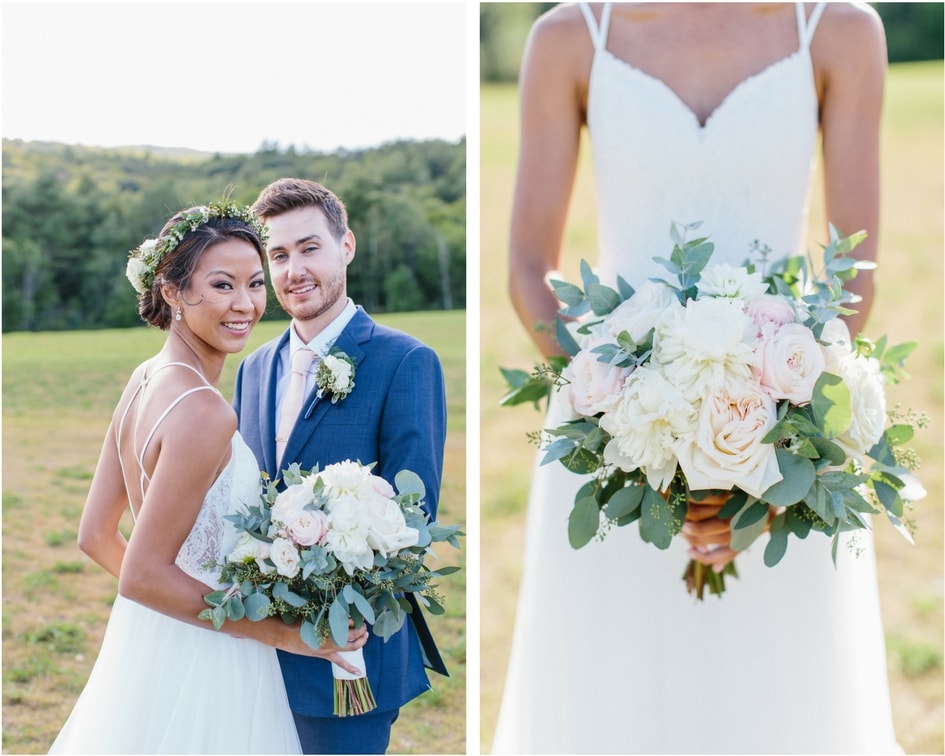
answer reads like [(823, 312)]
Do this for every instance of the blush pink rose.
[(788, 363), (595, 385), (770, 312)]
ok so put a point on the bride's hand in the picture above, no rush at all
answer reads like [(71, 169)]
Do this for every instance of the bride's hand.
[(328, 650), (708, 535)]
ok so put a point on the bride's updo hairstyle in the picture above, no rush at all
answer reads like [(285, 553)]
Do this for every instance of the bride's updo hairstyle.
[(170, 260)]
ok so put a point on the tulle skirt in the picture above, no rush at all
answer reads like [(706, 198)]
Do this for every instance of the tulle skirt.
[(611, 655), (163, 686)]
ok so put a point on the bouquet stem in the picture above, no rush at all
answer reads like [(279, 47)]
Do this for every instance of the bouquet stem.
[(698, 576), (353, 695)]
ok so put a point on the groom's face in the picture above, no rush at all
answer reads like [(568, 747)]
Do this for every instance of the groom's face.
[(308, 267)]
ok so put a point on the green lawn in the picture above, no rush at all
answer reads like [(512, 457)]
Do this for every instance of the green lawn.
[(59, 390), (908, 306)]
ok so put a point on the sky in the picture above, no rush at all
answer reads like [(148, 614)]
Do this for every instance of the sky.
[(228, 76)]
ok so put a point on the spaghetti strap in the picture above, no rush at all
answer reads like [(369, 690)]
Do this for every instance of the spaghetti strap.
[(598, 32), (807, 26), (139, 456)]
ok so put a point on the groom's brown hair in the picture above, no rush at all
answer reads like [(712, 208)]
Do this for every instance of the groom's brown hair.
[(293, 193)]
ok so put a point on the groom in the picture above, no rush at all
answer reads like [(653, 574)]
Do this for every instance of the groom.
[(394, 416)]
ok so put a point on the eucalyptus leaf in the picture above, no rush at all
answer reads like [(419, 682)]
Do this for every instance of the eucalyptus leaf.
[(338, 621), (799, 474), (831, 405), (660, 518), (624, 502), (256, 606), (777, 546), (583, 522)]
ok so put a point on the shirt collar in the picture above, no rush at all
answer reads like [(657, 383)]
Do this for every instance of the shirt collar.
[(327, 337)]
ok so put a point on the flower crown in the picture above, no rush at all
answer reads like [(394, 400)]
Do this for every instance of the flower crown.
[(144, 260)]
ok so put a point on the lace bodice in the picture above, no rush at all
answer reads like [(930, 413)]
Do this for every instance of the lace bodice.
[(213, 537), (745, 173)]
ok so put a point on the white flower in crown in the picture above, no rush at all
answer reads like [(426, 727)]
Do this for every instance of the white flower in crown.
[(335, 376)]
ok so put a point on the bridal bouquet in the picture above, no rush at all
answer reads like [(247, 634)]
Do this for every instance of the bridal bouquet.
[(334, 547), (737, 387)]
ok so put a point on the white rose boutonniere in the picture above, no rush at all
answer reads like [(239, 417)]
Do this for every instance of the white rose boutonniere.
[(335, 376)]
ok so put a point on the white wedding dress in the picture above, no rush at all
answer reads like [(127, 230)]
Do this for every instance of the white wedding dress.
[(163, 686), (610, 654)]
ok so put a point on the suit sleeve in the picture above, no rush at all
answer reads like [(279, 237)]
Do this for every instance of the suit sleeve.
[(413, 425)]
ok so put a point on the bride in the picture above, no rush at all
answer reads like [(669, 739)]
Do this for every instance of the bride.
[(704, 112), (164, 680)]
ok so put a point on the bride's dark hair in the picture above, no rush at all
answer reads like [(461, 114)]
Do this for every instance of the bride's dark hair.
[(177, 267)]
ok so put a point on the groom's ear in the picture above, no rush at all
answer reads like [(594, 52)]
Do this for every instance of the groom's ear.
[(348, 246)]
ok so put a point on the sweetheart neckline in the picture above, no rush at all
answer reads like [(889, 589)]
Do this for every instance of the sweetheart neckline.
[(703, 126)]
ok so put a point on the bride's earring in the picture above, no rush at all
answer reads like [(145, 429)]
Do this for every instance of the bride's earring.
[(177, 316)]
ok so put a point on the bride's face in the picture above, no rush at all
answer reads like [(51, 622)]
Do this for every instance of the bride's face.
[(226, 295)]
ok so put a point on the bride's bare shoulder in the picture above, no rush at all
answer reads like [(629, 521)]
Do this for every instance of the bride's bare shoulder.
[(560, 38), (848, 27)]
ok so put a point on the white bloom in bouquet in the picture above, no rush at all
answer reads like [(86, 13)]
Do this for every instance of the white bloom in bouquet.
[(838, 345), (789, 362), (285, 556), (646, 424), (347, 537), (249, 549), (867, 402), (730, 282), (726, 448), (292, 500), (595, 385), (344, 479), (641, 312), (704, 345), (388, 532)]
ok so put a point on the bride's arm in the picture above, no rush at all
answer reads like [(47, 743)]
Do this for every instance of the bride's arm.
[(192, 446), (849, 53), (552, 88)]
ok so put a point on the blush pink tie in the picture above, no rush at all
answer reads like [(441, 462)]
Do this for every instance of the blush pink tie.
[(292, 402)]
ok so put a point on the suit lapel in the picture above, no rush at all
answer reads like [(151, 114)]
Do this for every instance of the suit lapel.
[(314, 410)]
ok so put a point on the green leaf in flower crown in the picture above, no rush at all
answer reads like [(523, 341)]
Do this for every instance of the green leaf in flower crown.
[(660, 518), (583, 522), (798, 476), (830, 405)]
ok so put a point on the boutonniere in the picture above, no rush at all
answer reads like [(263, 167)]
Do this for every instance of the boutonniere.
[(335, 376)]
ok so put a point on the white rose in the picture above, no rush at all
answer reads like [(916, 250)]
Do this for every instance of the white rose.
[(341, 372), (347, 536), (726, 450), (248, 549), (307, 527), (867, 402), (345, 477), (704, 345), (641, 312), (595, 385), (388, 532), (730, 282), (292, 500), (136, 271), (789, 363), (285, 556), (646, 424)]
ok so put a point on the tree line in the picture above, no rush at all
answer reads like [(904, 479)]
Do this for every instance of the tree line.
[(72, 213)]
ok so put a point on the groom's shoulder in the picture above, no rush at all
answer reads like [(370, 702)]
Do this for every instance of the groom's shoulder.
[(393, 341)]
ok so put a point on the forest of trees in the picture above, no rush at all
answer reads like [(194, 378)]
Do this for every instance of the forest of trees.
[(71, 213)]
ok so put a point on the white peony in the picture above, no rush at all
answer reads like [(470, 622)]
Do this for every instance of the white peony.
[(730, 282), (646, 424), (347, 537), (726, 449), (867, 403), (704, 345), (388, 532), (249, 549), (285, 556), (789, 362), (641, 312)]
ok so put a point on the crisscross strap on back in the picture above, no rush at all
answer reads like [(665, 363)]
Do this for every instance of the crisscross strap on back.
[(139, 456), (598, 32), (806, 27)]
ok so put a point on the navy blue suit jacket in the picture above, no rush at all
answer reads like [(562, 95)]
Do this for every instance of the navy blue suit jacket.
[(394, 417)]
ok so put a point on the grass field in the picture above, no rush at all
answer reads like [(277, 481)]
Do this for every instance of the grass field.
[(59, 390), (908, 306)]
